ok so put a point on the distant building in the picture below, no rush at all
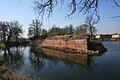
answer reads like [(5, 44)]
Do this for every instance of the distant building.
[(115, 36), (107, 37)]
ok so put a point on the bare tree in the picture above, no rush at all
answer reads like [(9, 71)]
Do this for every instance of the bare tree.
[(85, 6), (91, 21), (35, 28), (3, 30), (82, 29), (54, 29), (10, 31), (44, 31), (69, 29)]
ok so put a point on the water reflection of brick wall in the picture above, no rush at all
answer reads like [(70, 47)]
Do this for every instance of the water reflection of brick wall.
[(78, 58), (74, 44)]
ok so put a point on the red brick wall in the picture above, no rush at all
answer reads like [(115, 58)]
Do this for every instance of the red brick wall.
[(74, 44)]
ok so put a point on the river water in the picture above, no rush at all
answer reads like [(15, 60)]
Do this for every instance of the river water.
[(37, 65)]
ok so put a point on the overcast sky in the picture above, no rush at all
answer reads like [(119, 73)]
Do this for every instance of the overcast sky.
[(23, 12)]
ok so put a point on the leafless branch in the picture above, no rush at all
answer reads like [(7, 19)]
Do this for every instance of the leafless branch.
[(116, 3), (114, 17), (76, 6)]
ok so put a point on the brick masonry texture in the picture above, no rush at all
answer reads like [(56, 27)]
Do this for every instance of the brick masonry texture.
[(73, 44)]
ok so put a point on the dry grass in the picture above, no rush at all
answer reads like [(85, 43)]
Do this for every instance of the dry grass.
[(67, 37), (6, 73)]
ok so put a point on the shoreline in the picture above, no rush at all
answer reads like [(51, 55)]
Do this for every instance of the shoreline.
[(73, 51), (7, 74)]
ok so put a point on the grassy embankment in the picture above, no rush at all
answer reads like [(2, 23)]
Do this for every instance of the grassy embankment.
[(7, 74)]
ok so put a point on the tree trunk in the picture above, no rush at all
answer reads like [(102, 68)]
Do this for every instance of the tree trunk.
[(8, 41), (91, 33)]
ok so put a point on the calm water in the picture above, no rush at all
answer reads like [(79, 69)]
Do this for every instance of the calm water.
[(103, 67)]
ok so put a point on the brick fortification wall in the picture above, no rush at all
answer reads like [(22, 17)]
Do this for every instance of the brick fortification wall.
[(73, 44)]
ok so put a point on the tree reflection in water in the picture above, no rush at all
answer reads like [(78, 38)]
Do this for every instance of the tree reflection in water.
[(13, 57), (39, 60)]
